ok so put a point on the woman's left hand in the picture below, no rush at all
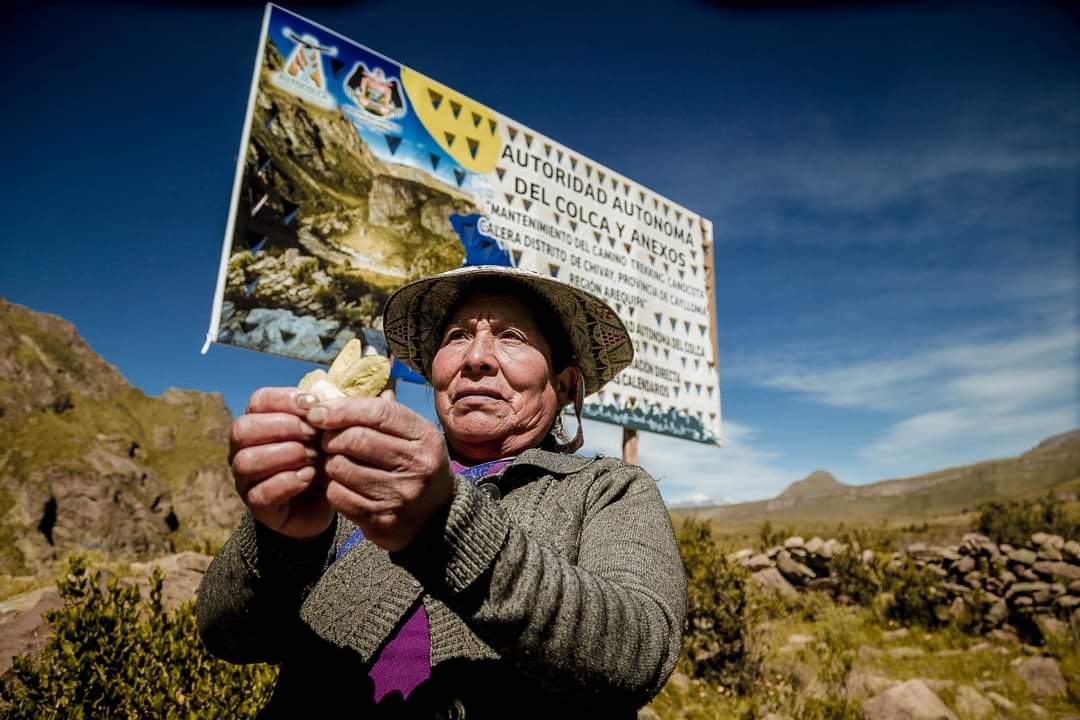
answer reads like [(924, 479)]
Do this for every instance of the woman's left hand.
[(388, 467)]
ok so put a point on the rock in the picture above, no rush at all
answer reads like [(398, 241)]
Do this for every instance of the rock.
[(1023, 557), (1074, 587), (647, 713), (899, 633), (793, 569), (1025, 574), (1038, 539), (1049, 553), (911, 700), (956, 609), (1042, 676), (814, 546), (972, 705), (1060, 571), (794, 542), (1050, 626), (1068, 601), (1001, 701), (771, 579), (757, 562), (23, 630), (964, 565), (799, 639), (938, 685), (1072, 549), (680, 681), (998, 610), (867, 556), (869, 652), (1055, 542), (1027, 588), (1004, 635), (1007, 577), (905, 651), (740, 555), (829, 548), (981, 647), (862, 684)]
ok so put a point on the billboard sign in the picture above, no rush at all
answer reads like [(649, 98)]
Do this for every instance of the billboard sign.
[(358, 174)]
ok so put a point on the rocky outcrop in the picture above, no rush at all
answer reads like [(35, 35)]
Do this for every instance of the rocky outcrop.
[(88, 462)]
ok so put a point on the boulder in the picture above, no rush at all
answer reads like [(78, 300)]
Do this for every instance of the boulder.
[(771, 579), (815, 545), (1050, 627), (23, 630), (1049, 553), (862, 684), (1023, 557), (1060, 571), (794, 542), (972, 705), (964, 565), (998, 611), (1042, 676), (792, 568), (1072, 549), (911, 700), (757, 562)]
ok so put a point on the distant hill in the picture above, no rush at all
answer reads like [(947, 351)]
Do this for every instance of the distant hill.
[(818, 482), (88, 461), (1054, 464)]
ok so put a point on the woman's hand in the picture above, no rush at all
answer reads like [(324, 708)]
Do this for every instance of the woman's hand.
[(388, 468), (274, 453)]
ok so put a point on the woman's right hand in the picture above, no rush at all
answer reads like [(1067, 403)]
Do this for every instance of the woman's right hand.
[(274, 456)]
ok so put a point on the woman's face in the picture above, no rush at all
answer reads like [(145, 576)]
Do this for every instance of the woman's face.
[(495, 391)]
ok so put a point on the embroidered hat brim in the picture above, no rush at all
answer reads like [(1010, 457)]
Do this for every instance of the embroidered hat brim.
[(416, 313)]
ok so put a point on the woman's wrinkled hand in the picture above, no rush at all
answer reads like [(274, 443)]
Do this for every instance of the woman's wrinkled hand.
[(387, 467), (274, 455)]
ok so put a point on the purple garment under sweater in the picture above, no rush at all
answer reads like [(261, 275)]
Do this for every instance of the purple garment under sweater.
[(405, 660)]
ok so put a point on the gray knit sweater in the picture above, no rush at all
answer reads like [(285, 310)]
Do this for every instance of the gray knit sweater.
[(567, 595)]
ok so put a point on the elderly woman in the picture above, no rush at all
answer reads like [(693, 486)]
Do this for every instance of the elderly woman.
[(484, 571)]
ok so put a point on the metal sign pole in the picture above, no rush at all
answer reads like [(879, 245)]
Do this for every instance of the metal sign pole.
[(629, 445)]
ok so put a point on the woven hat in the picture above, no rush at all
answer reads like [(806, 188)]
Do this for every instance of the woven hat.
[(415, 315)]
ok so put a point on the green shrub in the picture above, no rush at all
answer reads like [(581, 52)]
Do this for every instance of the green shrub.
[(715, 638), (111, 655), (1014, 521), (859, 582), (304, 269), (916, 598)]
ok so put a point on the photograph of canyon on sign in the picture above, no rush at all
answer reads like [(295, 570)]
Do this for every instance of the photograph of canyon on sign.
[(685, 361)]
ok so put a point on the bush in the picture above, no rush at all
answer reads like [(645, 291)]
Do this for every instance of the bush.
[(715, 638), (110, 655), (915, 596), (1014, 521), (857, 581)]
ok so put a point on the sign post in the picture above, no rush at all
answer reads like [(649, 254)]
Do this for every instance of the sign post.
[(358, 174)]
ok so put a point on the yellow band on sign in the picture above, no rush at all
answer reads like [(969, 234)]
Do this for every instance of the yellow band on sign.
[(466, 130)]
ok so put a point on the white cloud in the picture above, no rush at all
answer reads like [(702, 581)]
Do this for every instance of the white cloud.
[(958, 403), (693, 473), (1013, 372)]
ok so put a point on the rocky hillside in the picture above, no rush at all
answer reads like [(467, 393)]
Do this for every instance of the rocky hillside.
[(1053, 465), (89, 462)]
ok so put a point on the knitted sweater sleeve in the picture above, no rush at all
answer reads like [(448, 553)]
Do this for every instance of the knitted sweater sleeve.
[(611, 622), (247, 605)]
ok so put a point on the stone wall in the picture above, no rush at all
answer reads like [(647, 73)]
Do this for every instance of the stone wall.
[(1036, 585)]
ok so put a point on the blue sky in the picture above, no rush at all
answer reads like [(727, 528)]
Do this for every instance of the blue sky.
[(894, 192)]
